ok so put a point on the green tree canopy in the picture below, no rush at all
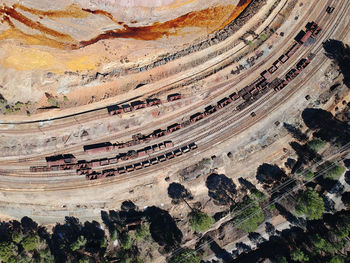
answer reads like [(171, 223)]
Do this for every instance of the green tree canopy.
[(333, 171), (143, 231), (186, 256), (299, 256), (79, 243), (317, 144), (336, 259), (248, 215), (310, 204), (126, 241), (200, 221), (31, 242), (7, 250)]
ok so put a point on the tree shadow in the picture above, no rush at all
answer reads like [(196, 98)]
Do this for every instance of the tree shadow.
[(246, 183), (177, 192), (63, 236), (340, 54), (295, 132), (326, 126), (95, 235), (221, 189), (289, 216), (163, 228), (256, 238), (220, 252)]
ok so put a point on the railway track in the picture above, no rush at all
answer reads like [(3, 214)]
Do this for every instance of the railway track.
[(77, 149), (206, 146), (64, 174)]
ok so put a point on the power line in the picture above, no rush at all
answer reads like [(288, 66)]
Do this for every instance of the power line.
[(323, 171)]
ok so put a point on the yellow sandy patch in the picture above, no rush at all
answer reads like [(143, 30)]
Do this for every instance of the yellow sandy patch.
[(33, 59), (29, 59), (82, 63)]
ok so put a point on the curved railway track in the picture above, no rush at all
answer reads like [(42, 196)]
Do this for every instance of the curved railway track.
[(103, 113), (29, 159), (244, 123), (238, 127), (220, 89)]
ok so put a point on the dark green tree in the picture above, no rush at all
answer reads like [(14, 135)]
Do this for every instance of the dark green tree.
[(186, 256), (200, 222), (310, 204), (248, 215)]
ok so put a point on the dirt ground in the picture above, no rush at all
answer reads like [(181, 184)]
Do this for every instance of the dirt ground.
[(76, 39)]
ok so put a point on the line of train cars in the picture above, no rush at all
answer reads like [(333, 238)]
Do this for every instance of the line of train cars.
[(92, 175), (136, 105), (69, 162), (250, 93)]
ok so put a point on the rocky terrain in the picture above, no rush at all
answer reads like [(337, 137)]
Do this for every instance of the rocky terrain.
[(50, 49)]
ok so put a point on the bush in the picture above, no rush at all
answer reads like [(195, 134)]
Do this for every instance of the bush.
[(52, 102), (310, 204), (263, 37), (250, 215), (31, 242), (317, 144), (200, 221)]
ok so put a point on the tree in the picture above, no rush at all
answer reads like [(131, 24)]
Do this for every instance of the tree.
[(7, 250), (310, 204), (186, 256), (317, 144), (143, 232), (79, 243), (299, 256), (248, 215), (200, 222), (258, 195), (322, 244), (336, 259), (126, 241), (31, 242), (333, 171)]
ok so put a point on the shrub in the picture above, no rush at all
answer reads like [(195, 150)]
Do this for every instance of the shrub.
[(52, 102), (263, 37), (113, 234), (200, 221)]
